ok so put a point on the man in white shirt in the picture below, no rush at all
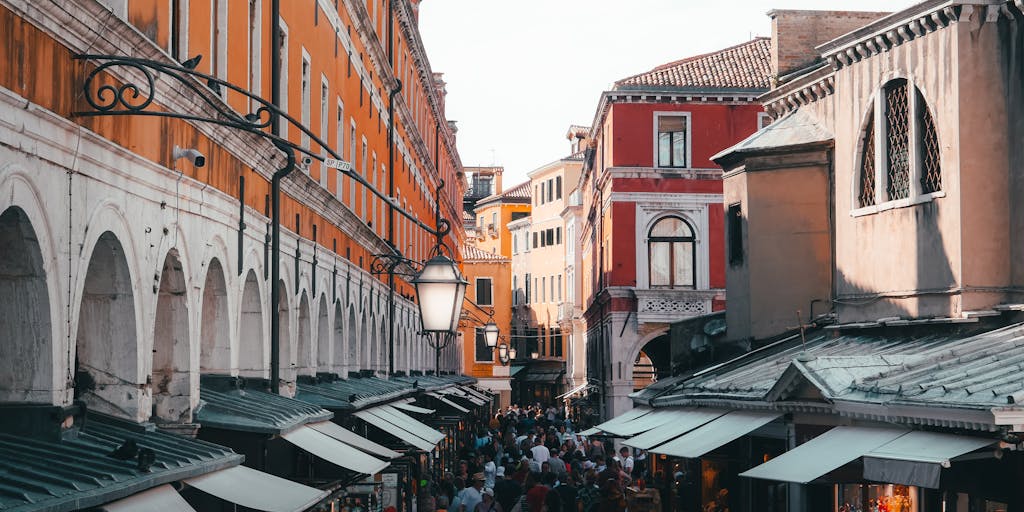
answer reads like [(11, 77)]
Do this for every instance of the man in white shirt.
[(540, 452), (626, 459), (470, 497)]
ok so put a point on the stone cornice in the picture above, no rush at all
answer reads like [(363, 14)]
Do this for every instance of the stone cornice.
[(803, 90)]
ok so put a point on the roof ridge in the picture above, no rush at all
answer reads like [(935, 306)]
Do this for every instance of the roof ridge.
[(747, 65)]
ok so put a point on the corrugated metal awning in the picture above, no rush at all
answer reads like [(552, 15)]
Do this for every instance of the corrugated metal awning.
[(412, 408), (334, 451), (352, 439), (691, 420), (917, 458), (257, 490), (723, 429), (655, 418), (823, 454), (158, 499), (445, 400), (625, 417)]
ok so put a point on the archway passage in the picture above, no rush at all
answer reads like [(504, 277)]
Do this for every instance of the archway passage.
[(106, 358), (339, 350), (653, 362), (26, 339), (250, 330), (170, 382), (305, 358), (215, 347), (353, 341), (323, 337), (366, 346)]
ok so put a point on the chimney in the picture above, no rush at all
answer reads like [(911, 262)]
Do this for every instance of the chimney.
[(497, 180), (795, 34)]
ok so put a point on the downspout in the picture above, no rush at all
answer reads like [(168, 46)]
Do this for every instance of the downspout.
[(275, 192), (391, 190)]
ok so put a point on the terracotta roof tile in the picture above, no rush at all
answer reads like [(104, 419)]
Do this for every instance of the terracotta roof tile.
[(520, 191), (473, 253), (744, 66)]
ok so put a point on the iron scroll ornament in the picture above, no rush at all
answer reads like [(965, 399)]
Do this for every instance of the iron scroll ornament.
[(140, 98)]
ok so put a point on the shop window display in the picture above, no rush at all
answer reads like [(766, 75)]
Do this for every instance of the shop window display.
[(876, 498)]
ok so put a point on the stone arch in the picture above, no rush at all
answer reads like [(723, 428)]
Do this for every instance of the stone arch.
[(323, 337), (338, 349), (107, 341), (251, 341), (650, 358), (171, 345), (215, 331), (304, 358), (26, 327), (353, 340)]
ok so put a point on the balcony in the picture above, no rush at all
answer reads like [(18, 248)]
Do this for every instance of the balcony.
[(662, 305), (566, 311)]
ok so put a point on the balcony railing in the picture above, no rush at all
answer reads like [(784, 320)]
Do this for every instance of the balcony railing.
[(566, 311), (670, 305)]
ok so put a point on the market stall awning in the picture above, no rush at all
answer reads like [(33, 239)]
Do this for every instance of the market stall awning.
[(656, 418), (486, 397), (574, 391), (625, 417), (462, 395), (719, 431), (823, 454), (158, 499), (334, 451), (413, 408), (448, 402), (352, 439), (257, 490), (917, 458), (407, 429), (667, 432)]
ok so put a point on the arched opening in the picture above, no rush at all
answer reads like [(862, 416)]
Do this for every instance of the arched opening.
[(323, 337), (653, 362), (366, 349), (215, 347), (250, 330), (353, 342), (671, 255), (284, 349), (171, 346), (26, 351), (382, 347), (106, 357), (338, 340), (304, 356)]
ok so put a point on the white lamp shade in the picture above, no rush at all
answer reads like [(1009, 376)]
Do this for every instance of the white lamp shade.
[(503, 352), (440, 290), (491, 334), (512, 353)]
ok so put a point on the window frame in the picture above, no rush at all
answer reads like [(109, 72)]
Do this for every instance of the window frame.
[(480, 347), (876, 114), (490, 291), (657, 115), (672, 240)]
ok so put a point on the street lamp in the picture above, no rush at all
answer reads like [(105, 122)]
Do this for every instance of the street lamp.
[(534, 355), (491, 334), (503, 355), (512, 353), (440, 290)]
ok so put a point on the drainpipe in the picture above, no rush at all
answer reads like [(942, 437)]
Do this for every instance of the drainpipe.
[(391, 190), (275, 192)]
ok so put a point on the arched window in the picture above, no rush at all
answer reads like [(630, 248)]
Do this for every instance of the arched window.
[(671, 254), (899, 148)]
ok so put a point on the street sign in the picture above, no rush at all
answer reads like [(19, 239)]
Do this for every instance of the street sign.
[(341, 165)]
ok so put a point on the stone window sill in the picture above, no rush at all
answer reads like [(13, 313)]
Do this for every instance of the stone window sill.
[(899, 203)]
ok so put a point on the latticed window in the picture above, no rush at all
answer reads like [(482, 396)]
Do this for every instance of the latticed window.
[(900, 147), (671, 253), (867, 165)]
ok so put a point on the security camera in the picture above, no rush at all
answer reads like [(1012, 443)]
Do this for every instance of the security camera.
[(194, 155), (307, 161)]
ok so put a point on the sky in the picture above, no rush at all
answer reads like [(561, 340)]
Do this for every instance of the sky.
[(519, 72)]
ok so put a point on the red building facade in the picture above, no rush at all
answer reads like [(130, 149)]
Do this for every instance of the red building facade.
[(651, 226)]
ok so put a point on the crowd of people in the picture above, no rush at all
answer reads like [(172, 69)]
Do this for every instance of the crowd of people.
[(532, 460)]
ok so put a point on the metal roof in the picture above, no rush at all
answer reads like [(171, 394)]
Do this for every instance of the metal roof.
[(253, 410), (353, 393), (794, 130), (941, 369), (81, 472)]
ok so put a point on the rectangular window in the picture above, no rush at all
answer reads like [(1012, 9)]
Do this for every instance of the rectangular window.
[(526, 241), (543, 289), (735, 230), (362, 163), (534, 239), (672, 140), (556, 343), (494, 220), (373, 181), (550, 232), (484, 354), (515, 291), (283, 51), (536, 290), (543, 239), (559, 287), (552, 284), (526, 283), (324, 118), (483, 292), (558, 187), (352, 160), (255, 49), (551, 190), (763, 120), (558, 236)]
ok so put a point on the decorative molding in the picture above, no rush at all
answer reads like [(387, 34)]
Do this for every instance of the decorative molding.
[(671, 305)]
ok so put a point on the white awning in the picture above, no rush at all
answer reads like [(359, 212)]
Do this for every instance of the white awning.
[(573, 391), (656, 418), (658, 435), (257, 490), (352, 439), (592, 431), (334, 451), (722, 430), (625, 417), (158, 499), (917, 458), (409, 423), (823, 454), (444, 399), (412, 408), (409, 434)]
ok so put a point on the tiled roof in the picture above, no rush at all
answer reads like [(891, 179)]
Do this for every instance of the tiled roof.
[(473, 253), (744, 66), (79, 473), (975, 372), (253, 410), (519, 192)]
